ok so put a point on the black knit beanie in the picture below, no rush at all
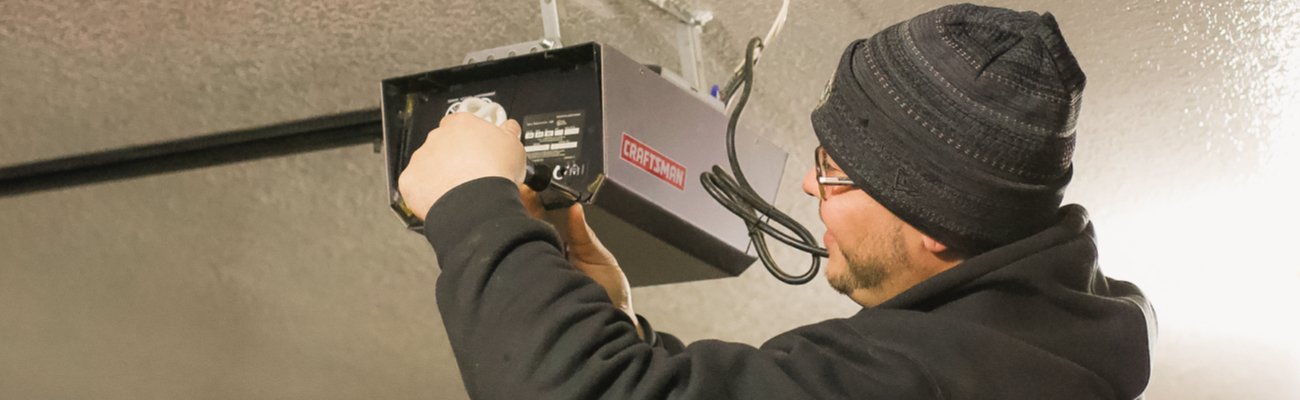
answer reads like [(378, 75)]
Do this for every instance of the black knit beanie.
[(959, 121)]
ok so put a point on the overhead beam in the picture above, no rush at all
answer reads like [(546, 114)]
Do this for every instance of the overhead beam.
[(301, 136)]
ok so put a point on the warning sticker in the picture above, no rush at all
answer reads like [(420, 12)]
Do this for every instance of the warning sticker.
[(649, 160), (553, 138)]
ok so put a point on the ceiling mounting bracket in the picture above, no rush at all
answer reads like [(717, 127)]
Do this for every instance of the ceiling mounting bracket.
[(550, 39), (689, 47)]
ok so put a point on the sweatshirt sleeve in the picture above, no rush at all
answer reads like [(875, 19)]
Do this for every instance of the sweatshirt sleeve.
[(524, 324)]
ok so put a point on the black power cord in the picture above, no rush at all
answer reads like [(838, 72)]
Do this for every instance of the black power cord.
[(739, 197)]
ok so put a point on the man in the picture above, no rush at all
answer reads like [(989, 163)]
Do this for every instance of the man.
[(945, 149)]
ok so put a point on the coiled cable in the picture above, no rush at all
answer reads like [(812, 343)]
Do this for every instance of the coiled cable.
[(737, 196)]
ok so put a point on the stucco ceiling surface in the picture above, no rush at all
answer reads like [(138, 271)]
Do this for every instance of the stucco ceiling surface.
[(289, 278)]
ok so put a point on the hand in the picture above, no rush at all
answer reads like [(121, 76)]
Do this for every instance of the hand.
[(463, 148), (587, 254), (592, 258)]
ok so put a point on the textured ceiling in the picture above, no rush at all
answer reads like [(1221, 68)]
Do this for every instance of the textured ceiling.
[(288, 277)]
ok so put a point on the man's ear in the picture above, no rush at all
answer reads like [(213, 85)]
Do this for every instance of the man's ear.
[(933, 246), (942, 251)]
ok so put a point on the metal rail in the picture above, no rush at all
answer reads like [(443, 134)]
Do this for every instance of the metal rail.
[(320, 133)]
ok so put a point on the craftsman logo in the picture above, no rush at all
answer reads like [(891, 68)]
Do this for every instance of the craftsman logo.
[(637, 153)]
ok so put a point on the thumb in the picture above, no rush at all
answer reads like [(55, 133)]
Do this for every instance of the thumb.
[(512, 127), (532, 202), (587, 253), (579, 232)]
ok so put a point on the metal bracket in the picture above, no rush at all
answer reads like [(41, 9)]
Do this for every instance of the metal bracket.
[(550, 22), (682, 13), (689, 47), (689, 52), (550, 38)]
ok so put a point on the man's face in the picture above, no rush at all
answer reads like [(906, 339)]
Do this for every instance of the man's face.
[(867, 244)]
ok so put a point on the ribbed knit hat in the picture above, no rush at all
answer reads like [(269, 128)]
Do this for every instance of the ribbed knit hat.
[(959, 121)]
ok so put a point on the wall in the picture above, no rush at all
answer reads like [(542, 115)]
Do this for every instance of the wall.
[(288, 278)]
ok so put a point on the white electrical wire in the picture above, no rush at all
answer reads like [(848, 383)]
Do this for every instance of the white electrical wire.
[(767, 40), (776, 26)]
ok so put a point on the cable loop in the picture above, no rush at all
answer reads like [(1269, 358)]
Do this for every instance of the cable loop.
[(738, 197)]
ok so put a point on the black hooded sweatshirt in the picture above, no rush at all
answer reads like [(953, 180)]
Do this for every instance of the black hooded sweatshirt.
[(1035, 319)]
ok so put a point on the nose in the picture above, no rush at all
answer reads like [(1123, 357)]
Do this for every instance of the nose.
[(810, 182)]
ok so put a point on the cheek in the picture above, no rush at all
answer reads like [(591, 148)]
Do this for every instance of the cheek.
[(835, 261), (850, 220), (839, 233), (839, 220)]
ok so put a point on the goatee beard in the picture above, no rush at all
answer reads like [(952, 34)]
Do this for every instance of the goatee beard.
[(870, 270)]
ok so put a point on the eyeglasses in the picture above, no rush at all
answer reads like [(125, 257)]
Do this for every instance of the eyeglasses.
[(823, 180)]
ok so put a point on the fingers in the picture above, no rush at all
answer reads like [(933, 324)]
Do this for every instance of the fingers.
[(512, 127), (458, 118)]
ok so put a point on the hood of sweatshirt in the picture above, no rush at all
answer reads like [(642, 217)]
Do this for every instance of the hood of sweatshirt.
[(1028, 318)]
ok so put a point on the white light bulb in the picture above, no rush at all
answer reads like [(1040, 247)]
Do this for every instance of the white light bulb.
[(483, 108)]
